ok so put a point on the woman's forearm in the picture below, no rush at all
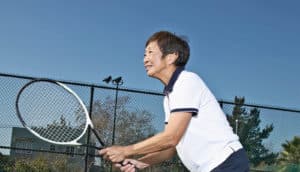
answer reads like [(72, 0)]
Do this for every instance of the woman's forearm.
[(158, 157)]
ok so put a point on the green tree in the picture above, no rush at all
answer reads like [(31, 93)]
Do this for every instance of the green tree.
[(289, 158), (247, 125)]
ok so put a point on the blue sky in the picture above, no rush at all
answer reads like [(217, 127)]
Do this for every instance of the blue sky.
[(239, 48)]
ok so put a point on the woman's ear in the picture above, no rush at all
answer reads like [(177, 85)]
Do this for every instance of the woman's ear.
[(171, 58)]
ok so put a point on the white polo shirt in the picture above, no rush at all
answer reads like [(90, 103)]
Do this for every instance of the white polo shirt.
[(209, 139)]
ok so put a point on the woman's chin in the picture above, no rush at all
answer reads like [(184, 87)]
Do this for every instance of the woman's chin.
[(149, 73)]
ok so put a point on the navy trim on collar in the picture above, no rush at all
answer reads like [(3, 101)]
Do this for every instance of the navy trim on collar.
[(173, 79)]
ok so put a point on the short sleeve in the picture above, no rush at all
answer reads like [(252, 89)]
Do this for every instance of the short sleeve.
[(186, 94)]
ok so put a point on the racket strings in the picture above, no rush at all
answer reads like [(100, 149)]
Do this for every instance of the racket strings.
[(52, 112)]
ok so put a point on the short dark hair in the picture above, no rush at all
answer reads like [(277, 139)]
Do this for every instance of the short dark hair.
[(170, 43)]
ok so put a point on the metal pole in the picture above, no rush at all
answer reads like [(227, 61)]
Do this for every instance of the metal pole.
[(236, 126), (89, 131), (118, 81), (115, 115)]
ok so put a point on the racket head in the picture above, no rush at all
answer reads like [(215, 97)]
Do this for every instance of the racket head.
[(52, 111)]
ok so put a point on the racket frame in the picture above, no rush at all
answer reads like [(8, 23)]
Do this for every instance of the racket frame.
[(69, 90)]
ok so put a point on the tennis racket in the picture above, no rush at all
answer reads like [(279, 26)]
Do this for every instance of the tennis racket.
[(54, 113)]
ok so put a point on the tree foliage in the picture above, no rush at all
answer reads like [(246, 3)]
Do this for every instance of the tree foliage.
[(5, 162), (131, 125), (289, 158), (44, 163), (247, 125)]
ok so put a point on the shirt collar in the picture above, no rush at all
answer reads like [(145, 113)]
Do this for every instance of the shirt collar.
[(169, 87)]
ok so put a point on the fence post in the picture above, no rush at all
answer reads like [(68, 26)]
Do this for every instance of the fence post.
[(86, 158)]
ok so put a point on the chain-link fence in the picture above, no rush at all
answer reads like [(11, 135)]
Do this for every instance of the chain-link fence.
[(136, 115)]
